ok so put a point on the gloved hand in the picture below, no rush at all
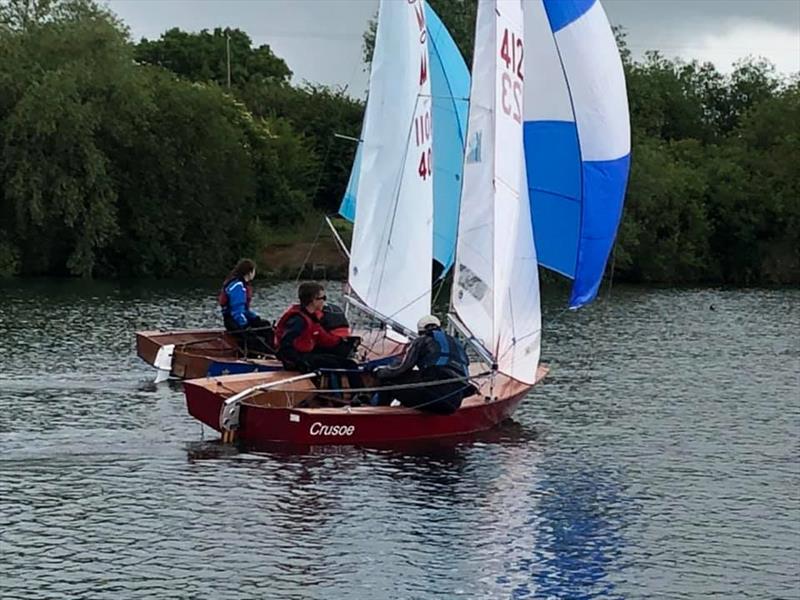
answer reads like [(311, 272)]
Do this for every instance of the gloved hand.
[(350, 343), (353, 340), (380, 372), (259, 323)]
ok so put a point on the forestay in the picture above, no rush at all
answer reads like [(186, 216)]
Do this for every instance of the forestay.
[(577, 138), (390, 263), (449, 80), (496, 286)]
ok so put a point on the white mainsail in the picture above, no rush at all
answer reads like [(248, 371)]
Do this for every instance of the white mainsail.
[(392, 248), (496, 285)]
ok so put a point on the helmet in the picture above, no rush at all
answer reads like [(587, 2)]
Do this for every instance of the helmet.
[(428, 322)]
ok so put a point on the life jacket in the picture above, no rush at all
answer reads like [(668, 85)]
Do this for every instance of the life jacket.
[(334, 320), (443, 350), (313, 333), (224, 300)]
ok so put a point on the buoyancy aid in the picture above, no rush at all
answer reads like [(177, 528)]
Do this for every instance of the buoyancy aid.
[(333, 319), (443, 350), (224, 300), (313, 333)]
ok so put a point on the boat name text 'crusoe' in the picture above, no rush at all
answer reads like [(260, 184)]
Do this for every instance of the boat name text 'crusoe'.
[(320, 429)]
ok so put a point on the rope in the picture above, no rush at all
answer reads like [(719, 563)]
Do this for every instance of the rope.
[(440, 398), (316, 189), (310, 250), (611, 275), (390, 388)]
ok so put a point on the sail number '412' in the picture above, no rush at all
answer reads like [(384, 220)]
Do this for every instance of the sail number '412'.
[(511, 51)]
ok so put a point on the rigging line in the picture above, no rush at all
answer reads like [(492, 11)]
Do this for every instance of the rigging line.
[(367, 348), (394, 387), (432, 400), (465, 131), (310, 250), (516, 342), (566, 79), (445, 97), (410, 302), (439, 289), (322, 166), (515, 339), (611, 274), (511, 311), (340, 245), (461, 129)]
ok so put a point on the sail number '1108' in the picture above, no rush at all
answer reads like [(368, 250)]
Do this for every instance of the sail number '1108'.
[(511, 51), (422, 131), (422, 122)]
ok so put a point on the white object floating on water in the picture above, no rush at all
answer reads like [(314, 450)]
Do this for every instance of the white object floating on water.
[(163, 362)]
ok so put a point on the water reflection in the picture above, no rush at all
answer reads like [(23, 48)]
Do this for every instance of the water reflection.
[(582, 519)]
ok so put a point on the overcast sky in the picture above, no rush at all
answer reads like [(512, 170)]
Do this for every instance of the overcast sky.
[(321, 39)]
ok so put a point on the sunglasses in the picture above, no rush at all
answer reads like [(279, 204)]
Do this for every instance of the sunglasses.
[(321, 298)]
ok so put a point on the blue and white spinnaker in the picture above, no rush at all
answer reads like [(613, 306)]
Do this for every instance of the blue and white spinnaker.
[(577, 138)]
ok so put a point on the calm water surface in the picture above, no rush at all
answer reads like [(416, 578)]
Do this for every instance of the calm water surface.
[(658, 460)]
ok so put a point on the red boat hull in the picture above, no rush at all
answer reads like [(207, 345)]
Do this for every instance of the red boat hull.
[(348, 425)]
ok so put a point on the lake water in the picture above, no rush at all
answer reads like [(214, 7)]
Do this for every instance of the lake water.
[(658, 460)]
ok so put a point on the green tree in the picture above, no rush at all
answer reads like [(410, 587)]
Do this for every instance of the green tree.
[(203, 57), (664, 234), (318, 113), (110, 167), (70, 74), (755, 193)]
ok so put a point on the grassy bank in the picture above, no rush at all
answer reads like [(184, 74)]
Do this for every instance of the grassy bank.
[(308, 249)]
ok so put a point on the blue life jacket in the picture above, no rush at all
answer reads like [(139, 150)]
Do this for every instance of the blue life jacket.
[(443, 350), (234, 300)]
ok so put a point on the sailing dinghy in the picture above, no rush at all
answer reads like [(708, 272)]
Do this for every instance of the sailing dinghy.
[(495, 297)]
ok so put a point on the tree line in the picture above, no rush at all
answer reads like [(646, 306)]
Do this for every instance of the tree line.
[(122, 158)]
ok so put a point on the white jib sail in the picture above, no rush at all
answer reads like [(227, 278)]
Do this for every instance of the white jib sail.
[(496, 288), (392, 248)]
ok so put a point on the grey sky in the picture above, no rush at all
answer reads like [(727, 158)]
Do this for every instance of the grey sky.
[(321, 39)]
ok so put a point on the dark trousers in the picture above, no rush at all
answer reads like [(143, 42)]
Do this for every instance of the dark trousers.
[(442, 399), (324, 358), (254, 339)]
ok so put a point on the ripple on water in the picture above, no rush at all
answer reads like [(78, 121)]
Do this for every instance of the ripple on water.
[(659, 459)]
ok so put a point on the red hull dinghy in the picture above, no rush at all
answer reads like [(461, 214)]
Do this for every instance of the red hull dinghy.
[(264, 409)]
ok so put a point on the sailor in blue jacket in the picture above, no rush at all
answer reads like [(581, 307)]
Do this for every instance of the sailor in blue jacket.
[(254, 334), (438, 356)]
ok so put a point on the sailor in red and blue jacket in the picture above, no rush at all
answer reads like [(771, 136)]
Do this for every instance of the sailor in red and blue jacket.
[(234, 300), (252, 332)]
